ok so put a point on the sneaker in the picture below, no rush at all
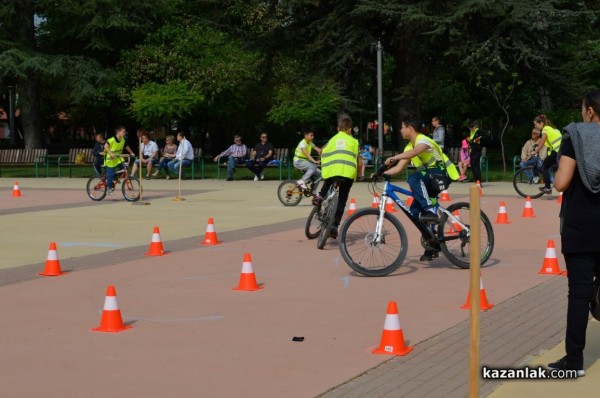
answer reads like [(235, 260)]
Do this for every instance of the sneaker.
[(429, 217), (361, 178), (429, 255), (462, 178), (262, 176), (255, 178), (168, 178), (301, 184), (333, 234), (546, 190), (317, 200), (147, 177), (561, 364), (110, 192), (535, 180), (155, 174)]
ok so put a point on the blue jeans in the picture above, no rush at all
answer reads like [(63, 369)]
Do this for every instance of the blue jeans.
[(110, 175), (529, 162), (418, 182), (174, 165), (232, 162)]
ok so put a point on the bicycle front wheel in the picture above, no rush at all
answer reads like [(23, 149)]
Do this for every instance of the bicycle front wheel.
[(289, 193), (368, 254), (313, 223), (454, 240), (527, 182), (131, 189), (327, 221), (96, 188)]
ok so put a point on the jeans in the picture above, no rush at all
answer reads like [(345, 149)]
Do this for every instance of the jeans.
[(418, 182), (344, 191), (476, 166), (164, 164), (174, 165), (110, 175), (529, 162), (312, 172), (232, 162), (257, 166), (581, 268)]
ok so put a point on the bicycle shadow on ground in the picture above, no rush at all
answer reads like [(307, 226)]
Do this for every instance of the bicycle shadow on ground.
[(404, 269), (443, 262)]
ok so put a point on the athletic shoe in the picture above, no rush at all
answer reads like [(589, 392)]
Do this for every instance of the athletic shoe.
[(561, 364), (168, 178), (317, 200), (333, 234), (546, 190), (301, 184), (255, 178), (536, 180), (155, 174), (429, 255), (262, 176), (462, 178), (110, 191)]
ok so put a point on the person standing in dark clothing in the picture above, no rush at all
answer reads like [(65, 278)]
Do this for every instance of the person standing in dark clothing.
[(98, 152), (474, 140)]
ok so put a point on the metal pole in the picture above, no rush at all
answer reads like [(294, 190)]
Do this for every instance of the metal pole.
[(11, 114), (379, 99), (475, 268)]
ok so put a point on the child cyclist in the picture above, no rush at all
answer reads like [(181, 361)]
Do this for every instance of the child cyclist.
[(112, 156), (340, 163), (305, 162)]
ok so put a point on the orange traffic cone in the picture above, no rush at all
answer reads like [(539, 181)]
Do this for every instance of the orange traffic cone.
[(392, 338), (16, 190), (156, 246), (445, 197), (480, 189), (528, 209), (483, 303), (559, 199), (502, 215), (409, 201), (550, 265), (111, 321), (455, 228), (210, 238), (352, 208), (375, 203), (247, 277), (52, 267), (389, 205)]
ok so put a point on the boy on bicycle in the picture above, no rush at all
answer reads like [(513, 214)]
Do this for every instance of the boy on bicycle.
[(427, 156), (305, 162), (340, 163), (112, 156)]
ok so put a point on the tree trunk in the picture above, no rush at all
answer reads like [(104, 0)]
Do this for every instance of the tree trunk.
[(502, 137), (29, 100)]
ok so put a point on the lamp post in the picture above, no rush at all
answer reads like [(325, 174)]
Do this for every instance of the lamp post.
[(11, 114), (379, 99)]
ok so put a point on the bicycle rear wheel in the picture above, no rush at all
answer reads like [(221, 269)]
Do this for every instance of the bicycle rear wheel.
[(528, 186), (131, 189), (289, 193), (360, 250), (457, 248), (313, 223), (96, 188), (327, 221)]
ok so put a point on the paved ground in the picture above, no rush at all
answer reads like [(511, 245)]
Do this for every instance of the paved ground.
[(194, 336)]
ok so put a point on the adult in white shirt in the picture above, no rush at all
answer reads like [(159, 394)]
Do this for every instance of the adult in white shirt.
[(149, 155), (185, 155)]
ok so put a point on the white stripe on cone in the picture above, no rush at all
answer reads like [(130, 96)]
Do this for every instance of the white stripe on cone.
[(210, 227), (550, 252), (110, 303), (52, 255), (247, 268), (155, 237), (392, 322)]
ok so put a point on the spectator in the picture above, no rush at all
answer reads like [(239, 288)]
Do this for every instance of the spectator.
[(260, 156), (168, 153), (149, 155), (578, 176), (184, 155), (527, 154), (236, 154), (464, 161), (98, 152), (474, 140), (304, 161), (366, 157), (439, 133)]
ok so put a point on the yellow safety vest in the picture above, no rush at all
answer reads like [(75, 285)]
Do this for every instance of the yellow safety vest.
[(553, 138), (426, 160), (298, 154), (116, 147), (338, 158)]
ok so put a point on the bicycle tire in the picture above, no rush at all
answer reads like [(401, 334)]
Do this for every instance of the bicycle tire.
[(327, 221), (131, 186), (362, 254), (313, 223), (96, 188), (454, 249), (524, 186), (289, 193)]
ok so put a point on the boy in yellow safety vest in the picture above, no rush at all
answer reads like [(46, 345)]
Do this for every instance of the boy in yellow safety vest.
[(113, 148)]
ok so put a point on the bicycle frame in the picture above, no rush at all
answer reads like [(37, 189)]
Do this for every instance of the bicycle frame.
[(389, 190)]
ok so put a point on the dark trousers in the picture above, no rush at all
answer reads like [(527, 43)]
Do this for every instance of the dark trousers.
[(418, 183), (581, 268), (549, 163), (476, 165), (98, 163), (344, 191), (256, 166)]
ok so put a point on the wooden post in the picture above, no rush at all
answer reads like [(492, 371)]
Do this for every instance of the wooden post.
[(475, 272)]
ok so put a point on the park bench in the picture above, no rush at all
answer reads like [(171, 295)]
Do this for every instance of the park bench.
[(280, 160), (70, 160), (24, 157)]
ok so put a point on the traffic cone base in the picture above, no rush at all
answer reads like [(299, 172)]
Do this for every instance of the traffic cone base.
[(111, 321), (247, 277), (16, 190), (528, 209), (550, 265), (483, 303), (210, 238), (52, 267), (392, 338), (502, 215), (156, 246)]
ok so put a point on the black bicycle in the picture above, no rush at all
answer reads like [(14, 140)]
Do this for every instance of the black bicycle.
[(320, 220), (528, 180)]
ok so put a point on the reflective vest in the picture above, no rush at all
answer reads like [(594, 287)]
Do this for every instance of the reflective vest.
[(339, 157), (553, 138), (116, 147), (298, 154), (426, 160)]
